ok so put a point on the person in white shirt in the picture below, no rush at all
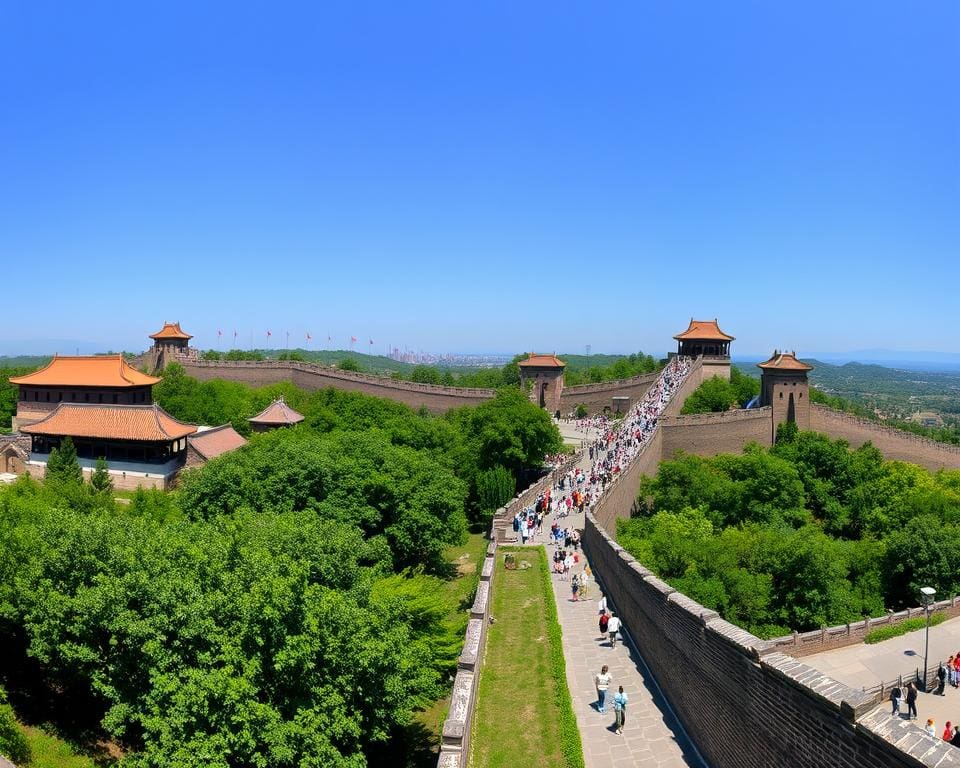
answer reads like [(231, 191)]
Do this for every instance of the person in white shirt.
[(613, 626), (602, 605), (603, 683)]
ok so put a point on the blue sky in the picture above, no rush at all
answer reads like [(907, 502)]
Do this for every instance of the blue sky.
[(484, 176)]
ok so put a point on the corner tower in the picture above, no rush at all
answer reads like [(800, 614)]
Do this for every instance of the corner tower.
[(785, 388)]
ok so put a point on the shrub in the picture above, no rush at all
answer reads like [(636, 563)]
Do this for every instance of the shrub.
[(908, 625), (13, 744), (581, 411)]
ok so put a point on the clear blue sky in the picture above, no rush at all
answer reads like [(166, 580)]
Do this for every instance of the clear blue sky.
[(497, 176)]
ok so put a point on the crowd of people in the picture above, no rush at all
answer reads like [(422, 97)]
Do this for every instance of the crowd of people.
[(610, 446), (948, 674)]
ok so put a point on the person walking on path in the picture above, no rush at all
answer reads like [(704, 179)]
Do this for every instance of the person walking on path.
[(613, 626), (912, 700), (575, 588), (603, 683), (620, 709), (941, 679), (895, 696), (602, 605)]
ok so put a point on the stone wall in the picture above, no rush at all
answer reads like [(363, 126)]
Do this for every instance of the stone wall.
[(311, 377), (744, 704), (599, 396), (122, 481), (893, 443), (707, 434)]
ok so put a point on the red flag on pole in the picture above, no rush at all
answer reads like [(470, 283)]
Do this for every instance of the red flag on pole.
[(269, 333), (353, 339), (309, 337)]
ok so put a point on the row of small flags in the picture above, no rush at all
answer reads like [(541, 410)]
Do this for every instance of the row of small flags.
[(353, 339)]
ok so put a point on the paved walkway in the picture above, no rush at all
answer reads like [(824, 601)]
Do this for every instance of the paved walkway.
[(651, 736), (865, 666)]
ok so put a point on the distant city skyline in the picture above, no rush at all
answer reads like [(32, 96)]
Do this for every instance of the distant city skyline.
[(487, 179)]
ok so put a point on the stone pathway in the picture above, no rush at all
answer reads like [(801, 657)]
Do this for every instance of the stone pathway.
[(652, 737)]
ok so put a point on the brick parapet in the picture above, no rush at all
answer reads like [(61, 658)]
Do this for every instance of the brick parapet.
[(744, 703)]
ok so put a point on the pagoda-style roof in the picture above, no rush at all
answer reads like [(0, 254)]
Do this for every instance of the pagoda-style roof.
[(535, 360), (210, 443), (87, 371), (171, 331), (277, 413), (705, 330), (784, 361), (142, 423)]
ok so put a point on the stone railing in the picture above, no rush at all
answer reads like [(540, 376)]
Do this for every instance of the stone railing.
[(455, 738), (609, 386), (800, 644)]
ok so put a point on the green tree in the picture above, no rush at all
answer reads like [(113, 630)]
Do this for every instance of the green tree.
[(100, 480), (495, 487), (713, 395), (62, 465), (13, 743), (348, 364)]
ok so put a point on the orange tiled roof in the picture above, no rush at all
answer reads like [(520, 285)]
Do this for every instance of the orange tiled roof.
[(87, 371), (144, 423), (704, 329), (542, 361), (278, 412), (171, 331), (210, 443), (784, 361)]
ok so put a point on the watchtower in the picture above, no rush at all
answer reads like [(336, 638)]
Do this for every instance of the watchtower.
[(784, 387), (169, 343), (704, 339), (546, 373)]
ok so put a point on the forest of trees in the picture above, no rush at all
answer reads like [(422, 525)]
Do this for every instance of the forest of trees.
[(282, 607), (805, 534), (717, 394)]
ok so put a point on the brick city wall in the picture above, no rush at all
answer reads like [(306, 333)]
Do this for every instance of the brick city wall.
[(599, 396), (707, 434), (620, 497), (892, 443), (311, 377), (743, 703), (121, 480)]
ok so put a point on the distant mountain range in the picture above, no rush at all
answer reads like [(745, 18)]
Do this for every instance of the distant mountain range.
[(948, 362)]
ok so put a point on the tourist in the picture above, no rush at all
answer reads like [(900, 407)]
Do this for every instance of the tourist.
[(941, 679), (620, 709), (956, 736), (948, 731), (951, 671), (931, 728), (602, 605), (895, 696), (603, 682), (613, 626), (575, 588), (956, 670), (604, 622), (911, 700)]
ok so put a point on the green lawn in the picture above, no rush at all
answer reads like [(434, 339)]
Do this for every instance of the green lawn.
[(49, 751), (524, 716)]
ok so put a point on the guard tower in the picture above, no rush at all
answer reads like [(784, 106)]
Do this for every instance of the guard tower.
[(169, 343), (546, 373), (704, 339), (784, 387)]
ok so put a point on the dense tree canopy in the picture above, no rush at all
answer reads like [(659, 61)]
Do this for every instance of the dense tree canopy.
[(282, 608), (717, 394), (808, 533)]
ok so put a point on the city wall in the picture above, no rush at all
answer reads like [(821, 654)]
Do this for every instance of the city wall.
[(311, 377), (893, 443), (598, 396), (707, 434), (744, 703)]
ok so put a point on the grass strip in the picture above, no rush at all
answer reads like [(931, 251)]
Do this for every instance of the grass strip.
[(907, 625), (524, 714)]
